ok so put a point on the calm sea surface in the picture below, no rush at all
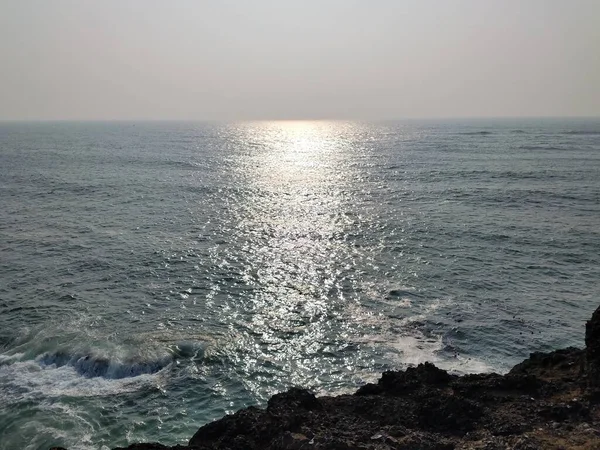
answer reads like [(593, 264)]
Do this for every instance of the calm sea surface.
[(155, 276)]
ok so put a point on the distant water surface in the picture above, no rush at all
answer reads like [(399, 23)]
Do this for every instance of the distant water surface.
[(155, 276)]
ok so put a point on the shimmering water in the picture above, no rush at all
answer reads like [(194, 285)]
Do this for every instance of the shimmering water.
[(155, 276)]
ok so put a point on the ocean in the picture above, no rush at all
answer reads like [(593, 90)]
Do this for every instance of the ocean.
[(155, 276)]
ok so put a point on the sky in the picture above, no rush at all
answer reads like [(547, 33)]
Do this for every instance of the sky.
[(309, 59)]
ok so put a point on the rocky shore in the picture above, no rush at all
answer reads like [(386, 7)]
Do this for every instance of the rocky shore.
[(549, 401)]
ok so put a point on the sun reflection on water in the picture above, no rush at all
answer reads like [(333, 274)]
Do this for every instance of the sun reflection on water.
[(288, 153), (294, 227)]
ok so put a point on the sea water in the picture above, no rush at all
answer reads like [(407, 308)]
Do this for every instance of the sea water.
[(156, 276)]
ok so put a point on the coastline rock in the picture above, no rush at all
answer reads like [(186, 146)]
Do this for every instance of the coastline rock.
[(548, 401), (592, 350)]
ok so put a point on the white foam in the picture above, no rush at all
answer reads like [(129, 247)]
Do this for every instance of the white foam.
[(7, 359), (28, 380), (415, 349), (405, 345)]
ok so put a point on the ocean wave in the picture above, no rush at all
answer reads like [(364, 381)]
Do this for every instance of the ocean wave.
[(140, 355), (582, 132), (540, 147), (90, 366), (38, 367), (181, 164), (476, 133), (29, 381), (166, 163)]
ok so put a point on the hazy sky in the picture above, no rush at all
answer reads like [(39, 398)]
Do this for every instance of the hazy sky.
[(269, 59)]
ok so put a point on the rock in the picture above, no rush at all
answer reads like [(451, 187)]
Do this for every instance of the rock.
[(295, 441), (566, 411), (398, 383), (592, 350), (449, 414), (251, 427), (294, 398), (563, 363)]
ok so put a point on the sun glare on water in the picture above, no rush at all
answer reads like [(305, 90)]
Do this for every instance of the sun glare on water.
[(293, 225)]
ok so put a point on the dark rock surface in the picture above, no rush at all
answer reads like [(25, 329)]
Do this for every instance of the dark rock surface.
[(592, 347), (549, 401)]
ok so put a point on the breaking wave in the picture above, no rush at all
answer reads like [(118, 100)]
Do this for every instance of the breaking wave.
[(90, 366)]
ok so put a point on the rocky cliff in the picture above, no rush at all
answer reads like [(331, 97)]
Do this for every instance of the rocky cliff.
[(549, 401)]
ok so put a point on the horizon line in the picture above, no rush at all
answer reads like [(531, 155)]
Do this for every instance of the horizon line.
[(299, 119)]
